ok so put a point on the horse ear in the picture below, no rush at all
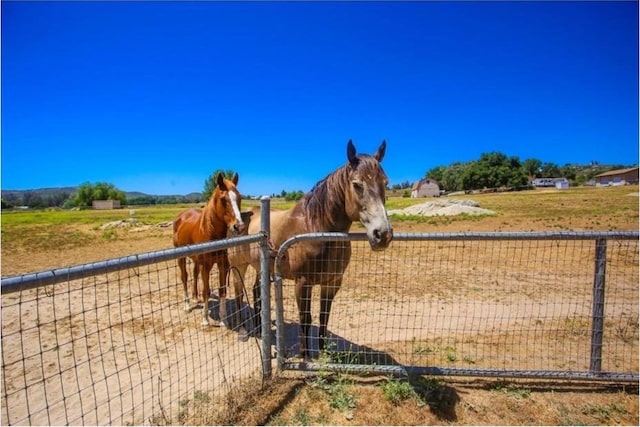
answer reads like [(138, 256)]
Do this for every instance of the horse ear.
[(380, 153), (351, 151), (221, 185), (235, 178)]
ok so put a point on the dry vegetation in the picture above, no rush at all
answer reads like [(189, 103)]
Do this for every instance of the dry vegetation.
[(339, 399)]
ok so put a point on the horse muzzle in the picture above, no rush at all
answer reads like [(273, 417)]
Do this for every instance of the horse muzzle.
[(239, 228), (380, 239)]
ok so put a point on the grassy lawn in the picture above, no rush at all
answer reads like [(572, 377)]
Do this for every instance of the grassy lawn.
[(579, 208)]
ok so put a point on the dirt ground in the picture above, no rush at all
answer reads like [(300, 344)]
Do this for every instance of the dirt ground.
[(301, 400)]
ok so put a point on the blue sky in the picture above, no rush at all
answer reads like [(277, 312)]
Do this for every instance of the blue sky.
[(155, 96)]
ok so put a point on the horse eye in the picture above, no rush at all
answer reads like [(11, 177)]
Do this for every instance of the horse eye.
[(358, 186)]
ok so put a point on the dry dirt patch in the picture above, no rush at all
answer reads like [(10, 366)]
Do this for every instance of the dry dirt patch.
[(445, 207), (299, 401)]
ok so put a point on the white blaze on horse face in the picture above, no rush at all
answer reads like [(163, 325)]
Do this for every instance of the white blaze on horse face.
[(373, 215), (236, 210), (376, 221)]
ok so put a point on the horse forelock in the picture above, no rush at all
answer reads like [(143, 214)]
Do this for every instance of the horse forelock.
[(369, 168), (369, 172), (212, 222)]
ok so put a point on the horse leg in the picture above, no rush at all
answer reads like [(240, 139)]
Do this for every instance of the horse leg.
[(205, 270), (327, 293), (184, 276), (223, 268), (238, 287), (303, 298), (196, 272)]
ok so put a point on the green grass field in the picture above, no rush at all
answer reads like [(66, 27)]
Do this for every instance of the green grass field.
[(580, 208)]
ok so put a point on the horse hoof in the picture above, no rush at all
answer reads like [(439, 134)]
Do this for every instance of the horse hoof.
[(215, 323), (243, 336)]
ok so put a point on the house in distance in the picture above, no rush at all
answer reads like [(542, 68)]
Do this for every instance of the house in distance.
[(426, 187), (106, 204), (626, 176)]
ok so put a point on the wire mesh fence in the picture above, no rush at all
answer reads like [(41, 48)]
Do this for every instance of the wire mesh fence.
[(111, 343), (480, 304)]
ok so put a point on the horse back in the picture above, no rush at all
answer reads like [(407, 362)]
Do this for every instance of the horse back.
[(317, 261)]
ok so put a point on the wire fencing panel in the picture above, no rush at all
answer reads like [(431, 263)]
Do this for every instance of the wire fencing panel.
[(479, 305), (118, 348)]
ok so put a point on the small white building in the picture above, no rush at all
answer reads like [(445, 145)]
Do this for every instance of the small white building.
[(106, 204), (426, 187), (551, 182)]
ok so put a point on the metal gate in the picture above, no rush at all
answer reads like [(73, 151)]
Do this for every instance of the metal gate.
[(539, 305), (110, 343)]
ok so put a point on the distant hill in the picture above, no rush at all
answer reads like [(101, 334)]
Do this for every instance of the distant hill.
[(41, 191), (71, 190), (56, 196)]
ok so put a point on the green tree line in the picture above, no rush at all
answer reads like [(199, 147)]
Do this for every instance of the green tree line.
[(495, 170), (491, 170)]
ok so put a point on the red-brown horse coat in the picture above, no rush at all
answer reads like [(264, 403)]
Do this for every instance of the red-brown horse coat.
[(220, 214)]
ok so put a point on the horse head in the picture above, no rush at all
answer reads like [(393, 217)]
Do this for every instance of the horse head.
[(365, 195), (227, 203)]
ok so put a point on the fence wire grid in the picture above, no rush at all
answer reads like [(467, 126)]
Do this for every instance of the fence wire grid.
[(478, 305), (118, 348), (112, 344)]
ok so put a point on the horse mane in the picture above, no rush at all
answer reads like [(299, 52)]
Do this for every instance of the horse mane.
[(324, 204)]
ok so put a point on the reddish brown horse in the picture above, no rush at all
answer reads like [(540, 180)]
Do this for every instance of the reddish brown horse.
[(220, 214), (353, 192)]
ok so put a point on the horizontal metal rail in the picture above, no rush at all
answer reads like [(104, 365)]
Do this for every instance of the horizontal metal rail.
[(551, 235), (592, 375), (49, 277), (403, 371)]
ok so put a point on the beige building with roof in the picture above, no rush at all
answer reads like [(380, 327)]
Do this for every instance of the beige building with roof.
[(617, 177), (426, 187)]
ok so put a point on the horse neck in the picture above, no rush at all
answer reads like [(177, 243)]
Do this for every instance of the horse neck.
[(325, 204), (211, 224)]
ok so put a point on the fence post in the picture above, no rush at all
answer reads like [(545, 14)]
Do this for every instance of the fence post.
[(279, 320), (597, 316), (265, 278)]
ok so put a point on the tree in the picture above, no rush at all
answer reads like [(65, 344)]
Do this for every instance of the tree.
[(532, 167), (494, 170), (452, 177), (293, 196), (550, 170), (87, 193), (211, 182), (10, 200), (57, 199), (568, 171), (32, 199), (436, 173)]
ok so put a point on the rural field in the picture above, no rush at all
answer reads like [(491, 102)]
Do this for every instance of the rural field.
[(35, 241)]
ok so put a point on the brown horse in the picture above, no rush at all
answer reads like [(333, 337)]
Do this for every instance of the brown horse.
[(353, 192), (249, 255), (220, 214)]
